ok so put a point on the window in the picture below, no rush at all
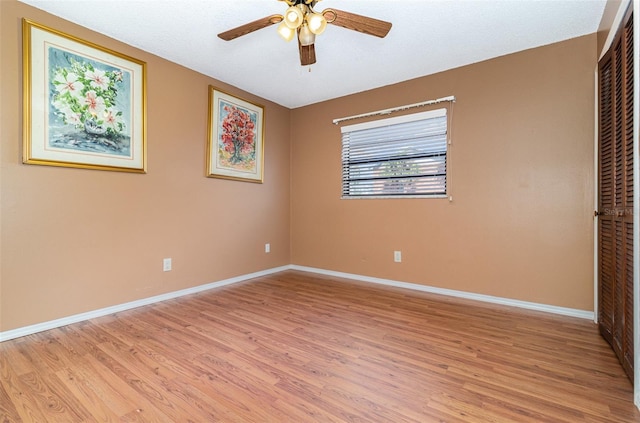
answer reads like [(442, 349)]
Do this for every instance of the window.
[(404, 156)]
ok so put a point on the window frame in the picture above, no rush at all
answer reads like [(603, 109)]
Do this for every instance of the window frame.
[(408, 118)]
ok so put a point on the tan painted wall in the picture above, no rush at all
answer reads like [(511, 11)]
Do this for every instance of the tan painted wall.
[(520, 225), (77, 240)]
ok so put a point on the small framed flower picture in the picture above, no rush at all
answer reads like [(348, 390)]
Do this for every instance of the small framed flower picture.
[(84, 105), (235, 148)]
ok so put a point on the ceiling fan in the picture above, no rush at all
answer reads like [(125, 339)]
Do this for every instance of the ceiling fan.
[(302, 20)]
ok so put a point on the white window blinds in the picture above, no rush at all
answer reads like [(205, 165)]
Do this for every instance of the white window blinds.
[(404, 156)]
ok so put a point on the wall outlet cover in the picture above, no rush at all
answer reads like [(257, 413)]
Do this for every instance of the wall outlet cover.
[(166, 265)]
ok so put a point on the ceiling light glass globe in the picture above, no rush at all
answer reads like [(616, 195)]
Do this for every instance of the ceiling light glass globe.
[(286, 32), (305, 36), (317, 23), (293, 17)]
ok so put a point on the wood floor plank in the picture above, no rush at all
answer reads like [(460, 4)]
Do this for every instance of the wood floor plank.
[(56, 403), (114, 392), (299, 347), (81, 389), (26, 407), (8, 411)]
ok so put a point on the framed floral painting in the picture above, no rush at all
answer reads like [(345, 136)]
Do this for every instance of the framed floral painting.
[(235, 148), (84, 105)]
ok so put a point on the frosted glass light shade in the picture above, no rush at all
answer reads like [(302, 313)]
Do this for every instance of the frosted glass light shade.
[(316, 22), (293, 17), (305, 36), (286, 32)]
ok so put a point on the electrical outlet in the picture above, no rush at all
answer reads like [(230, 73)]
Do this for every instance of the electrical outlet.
[(166, 265), (267, 248), (397, 256)]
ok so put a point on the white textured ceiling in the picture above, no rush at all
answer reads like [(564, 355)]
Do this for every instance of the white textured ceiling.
[(427, 36)]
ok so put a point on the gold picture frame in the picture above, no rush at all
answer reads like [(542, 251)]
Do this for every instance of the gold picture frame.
[(235, 145), (84, 105)]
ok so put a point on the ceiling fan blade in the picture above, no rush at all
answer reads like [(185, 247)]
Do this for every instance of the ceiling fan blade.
[(250, 27), (307, 54), (359, 23)]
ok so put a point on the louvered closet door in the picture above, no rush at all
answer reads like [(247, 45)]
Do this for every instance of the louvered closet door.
[(615, 222)]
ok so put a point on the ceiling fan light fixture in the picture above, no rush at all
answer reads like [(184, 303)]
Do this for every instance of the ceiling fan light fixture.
[(305, 36), (316, 22), (302, 20), (293, 17), (285, 32)]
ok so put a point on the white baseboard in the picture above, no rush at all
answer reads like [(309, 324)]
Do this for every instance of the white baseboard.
[(583, 314), (39, 327)]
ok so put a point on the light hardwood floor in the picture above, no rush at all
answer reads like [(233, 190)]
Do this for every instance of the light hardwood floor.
[(297, 347)]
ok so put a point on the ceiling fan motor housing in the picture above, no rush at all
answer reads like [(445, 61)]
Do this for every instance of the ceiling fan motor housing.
[(309, 3)]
